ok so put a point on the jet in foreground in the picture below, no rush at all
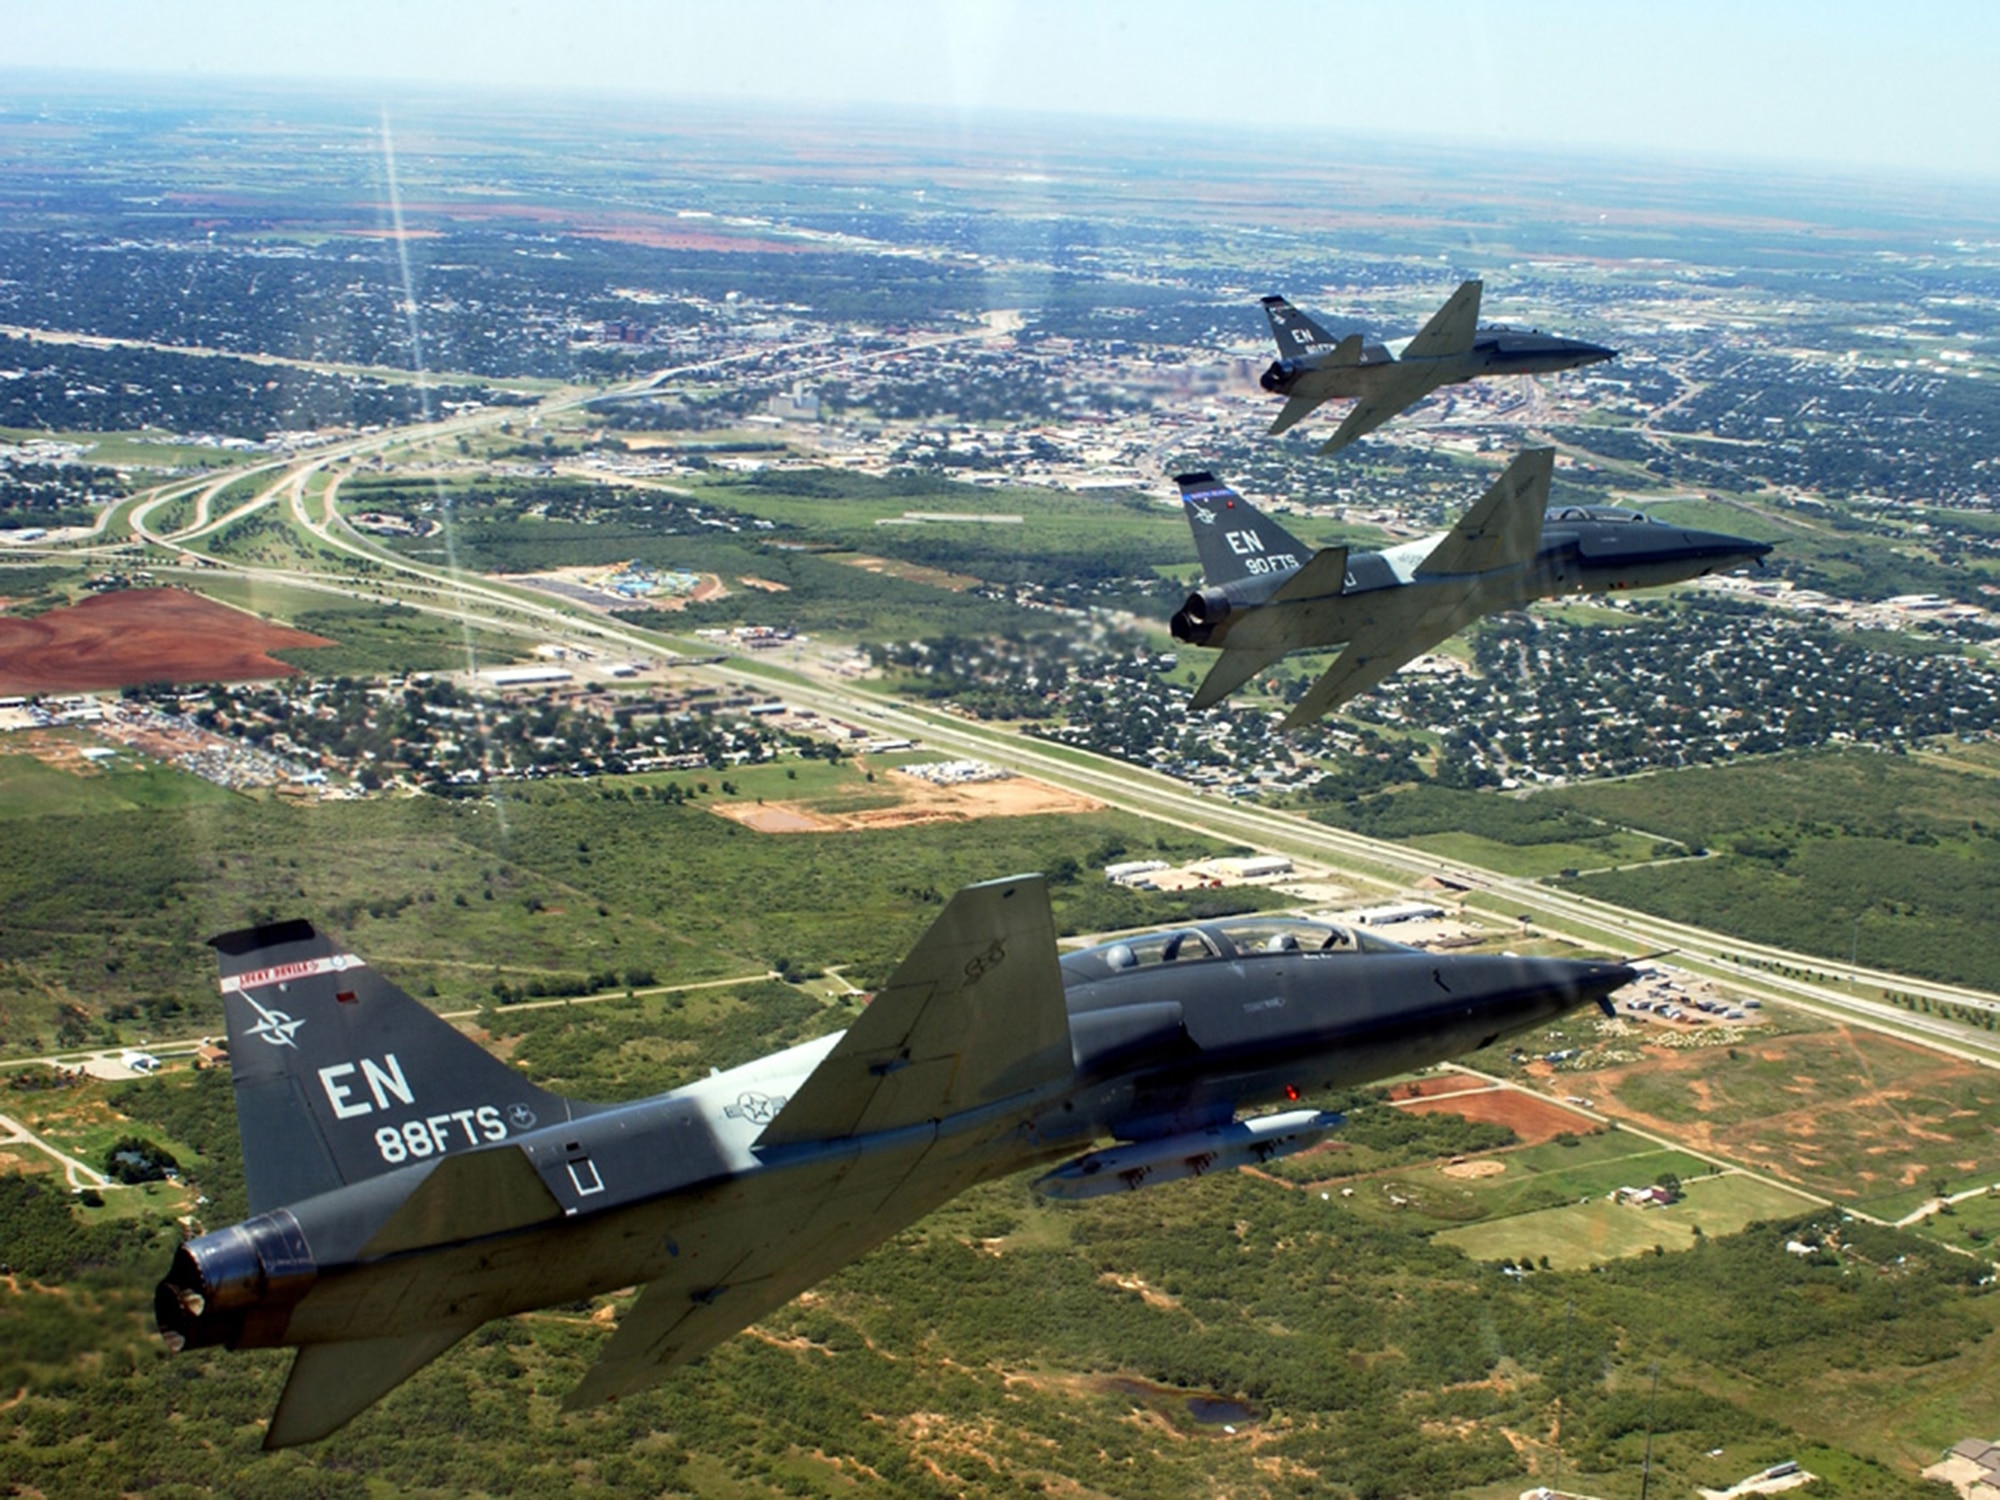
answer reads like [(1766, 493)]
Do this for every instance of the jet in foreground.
[(1315, 367), (1266, 594), (407, 1186)]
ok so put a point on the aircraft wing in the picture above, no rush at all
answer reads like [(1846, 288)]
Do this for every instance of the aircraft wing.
[(1402, 390), (973, 1015), (1505, 528), (1451, 328), (766, 1250)]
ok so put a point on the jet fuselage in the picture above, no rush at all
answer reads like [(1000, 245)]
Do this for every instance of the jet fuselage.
[(1494, 351), (1585, 549), (1171, 1033)]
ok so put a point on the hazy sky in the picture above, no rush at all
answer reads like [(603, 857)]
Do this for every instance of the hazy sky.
[(1895, 83)]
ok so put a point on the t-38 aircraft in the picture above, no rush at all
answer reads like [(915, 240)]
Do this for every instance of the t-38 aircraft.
[(406, 1185), (1314, 366), (1266, 594)]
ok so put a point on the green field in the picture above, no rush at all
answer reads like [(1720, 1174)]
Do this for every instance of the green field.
[(1539, 860), (1582, 1234), (822, 786), (30, 789), (369, 638), (131, 449), (1535, 1179), (1849, 1115), (1972, 1226), (1894, 858)]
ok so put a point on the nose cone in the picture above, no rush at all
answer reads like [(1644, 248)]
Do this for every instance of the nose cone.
[(1570, 982), (1591, 982), (1512, 994), (1718, 551), (1591, 354)]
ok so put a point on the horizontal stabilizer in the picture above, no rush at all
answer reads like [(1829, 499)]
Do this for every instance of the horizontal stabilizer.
[(974, 1015), (1451, 329), (332, 1383), (1399, 390), (1294, 411), (1504, 529), (1231, 670)]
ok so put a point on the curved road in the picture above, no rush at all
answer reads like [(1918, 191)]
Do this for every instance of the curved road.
[(474, 601)]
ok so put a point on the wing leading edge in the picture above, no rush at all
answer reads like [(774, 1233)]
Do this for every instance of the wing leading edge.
[(1504, 529), (973, 1017)]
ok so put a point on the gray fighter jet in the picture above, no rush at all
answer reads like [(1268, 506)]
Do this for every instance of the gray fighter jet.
[(1314, 367), (407, 1186), (1266, 594)]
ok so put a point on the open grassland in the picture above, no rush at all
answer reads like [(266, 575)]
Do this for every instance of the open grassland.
[(821, 786), (1893, 858), (132, 449), (1598, 1229), (371, 639), (1850, 1115), (548, 884), (1530, 1181), (368, 638), (32, 788), (1538, 860), (1972, 1226)]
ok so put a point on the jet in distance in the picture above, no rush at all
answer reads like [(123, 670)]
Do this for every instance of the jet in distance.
[(1266, 594), (406, 1185), (1314, 367)]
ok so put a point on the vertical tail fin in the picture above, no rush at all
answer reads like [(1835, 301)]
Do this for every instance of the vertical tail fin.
[(340, 1076), (1297, 334), (1232, 537)]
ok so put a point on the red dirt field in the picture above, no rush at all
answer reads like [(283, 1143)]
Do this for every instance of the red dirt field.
[(141, 635), (1439, 1083), (1533, 1120)]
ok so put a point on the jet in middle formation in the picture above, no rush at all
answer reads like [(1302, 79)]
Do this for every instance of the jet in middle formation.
[(1266, 594), (1314, 367)]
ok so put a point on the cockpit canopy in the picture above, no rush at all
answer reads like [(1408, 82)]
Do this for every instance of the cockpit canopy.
[(1599, 513), (1234, 938)]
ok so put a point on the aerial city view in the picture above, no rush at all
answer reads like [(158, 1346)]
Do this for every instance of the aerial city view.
[(879, 779)]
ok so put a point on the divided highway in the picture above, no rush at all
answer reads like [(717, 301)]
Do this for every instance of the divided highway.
[(475, 601)]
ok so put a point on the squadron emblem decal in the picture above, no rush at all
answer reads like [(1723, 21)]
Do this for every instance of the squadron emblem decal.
[(274, 1026), (757, 1108)]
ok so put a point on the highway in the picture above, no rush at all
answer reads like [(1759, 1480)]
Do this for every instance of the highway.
[(474, 601)]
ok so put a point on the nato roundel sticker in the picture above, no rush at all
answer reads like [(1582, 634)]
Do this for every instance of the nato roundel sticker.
[(520, 1117)]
